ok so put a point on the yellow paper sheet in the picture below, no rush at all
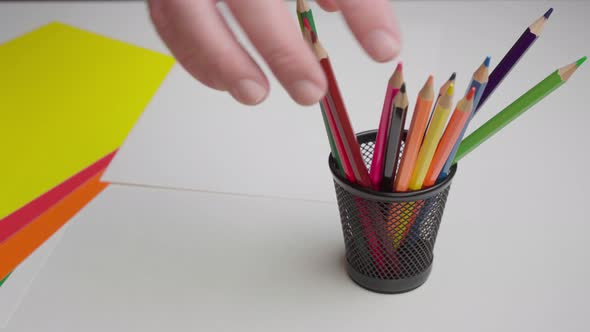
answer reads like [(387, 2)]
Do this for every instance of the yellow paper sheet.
[(67, 98)]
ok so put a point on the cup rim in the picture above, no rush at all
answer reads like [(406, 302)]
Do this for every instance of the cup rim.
[(368, 193)]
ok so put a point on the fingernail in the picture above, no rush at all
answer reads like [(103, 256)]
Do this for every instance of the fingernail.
[(381, 45), (306, 92), (248, 92)]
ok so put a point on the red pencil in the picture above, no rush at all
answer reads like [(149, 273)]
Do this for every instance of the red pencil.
[(344, 127)]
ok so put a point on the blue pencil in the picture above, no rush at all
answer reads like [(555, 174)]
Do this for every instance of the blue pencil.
[(479, 82)]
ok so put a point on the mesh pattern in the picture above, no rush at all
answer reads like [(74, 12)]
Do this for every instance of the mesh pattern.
[(389, 240)]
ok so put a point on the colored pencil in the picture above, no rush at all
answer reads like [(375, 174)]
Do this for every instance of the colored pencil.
[(397, 122), (454, 128), (415, 136), (403, 215), (341, 150), (304, 12), (341, 118), (303, 21), (517, 108), (441, 92), (433, 134), (479, 82), (526, 40), (377, 163)]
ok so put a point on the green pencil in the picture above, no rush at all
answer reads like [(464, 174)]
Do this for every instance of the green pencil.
[(304, 12), (517, 108)]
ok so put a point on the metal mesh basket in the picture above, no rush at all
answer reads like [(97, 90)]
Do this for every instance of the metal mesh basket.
[(389, 237)]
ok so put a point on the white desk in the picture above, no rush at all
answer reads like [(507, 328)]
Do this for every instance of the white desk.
[(511, 253), (156, 260)]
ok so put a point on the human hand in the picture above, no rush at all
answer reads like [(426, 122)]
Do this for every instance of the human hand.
[(200, 39)]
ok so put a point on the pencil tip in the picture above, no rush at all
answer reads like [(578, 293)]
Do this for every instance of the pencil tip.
[(548, 13), (470, 94), (486, 62), (400, 66), (430, 80), (453, 76), (403, 88), (451, 89), (581, 61)]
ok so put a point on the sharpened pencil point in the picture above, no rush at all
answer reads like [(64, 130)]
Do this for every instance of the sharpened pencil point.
[(400, 66), (581, 61), (430, 80), (487, 61), (451, 89), (470, 94), (403, 88), (548, 13), (453, 76)]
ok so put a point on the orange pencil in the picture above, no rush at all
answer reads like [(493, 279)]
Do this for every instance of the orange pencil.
[(449, 138), (415, 136)]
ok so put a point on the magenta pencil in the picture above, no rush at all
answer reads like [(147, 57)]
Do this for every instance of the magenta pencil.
[(377, 164)]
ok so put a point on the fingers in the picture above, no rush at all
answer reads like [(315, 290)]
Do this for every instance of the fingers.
[(328, 5), (199, 38), (273, 31), (374, 25)]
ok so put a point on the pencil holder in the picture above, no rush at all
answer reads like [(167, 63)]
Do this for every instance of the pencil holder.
[(389, 237)]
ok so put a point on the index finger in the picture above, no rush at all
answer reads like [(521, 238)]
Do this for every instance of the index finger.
[(274, 33), (374, 26)]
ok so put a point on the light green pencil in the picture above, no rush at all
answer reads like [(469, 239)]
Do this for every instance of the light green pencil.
[(517, 108)]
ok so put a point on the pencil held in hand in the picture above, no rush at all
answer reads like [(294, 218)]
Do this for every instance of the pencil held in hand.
[(343, 125), (304, 12)]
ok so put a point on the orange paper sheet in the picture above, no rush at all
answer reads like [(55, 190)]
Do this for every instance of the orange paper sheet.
[(21, 245)]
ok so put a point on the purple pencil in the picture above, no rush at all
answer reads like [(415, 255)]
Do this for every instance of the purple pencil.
[(511, 58)]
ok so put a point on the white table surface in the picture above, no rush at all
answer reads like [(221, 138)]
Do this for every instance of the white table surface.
[(511, 253)]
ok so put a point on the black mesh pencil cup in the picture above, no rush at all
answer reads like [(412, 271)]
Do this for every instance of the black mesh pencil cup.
[(389, 237)]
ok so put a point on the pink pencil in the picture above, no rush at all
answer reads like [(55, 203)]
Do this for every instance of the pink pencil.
[(393, 86)]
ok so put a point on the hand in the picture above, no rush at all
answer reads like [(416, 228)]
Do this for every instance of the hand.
[(197, 35)]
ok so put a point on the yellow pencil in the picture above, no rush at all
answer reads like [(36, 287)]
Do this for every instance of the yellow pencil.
[(433, 135)]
